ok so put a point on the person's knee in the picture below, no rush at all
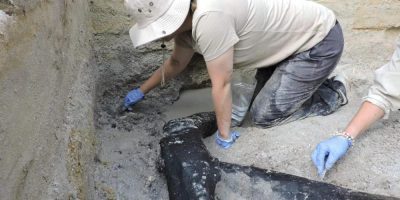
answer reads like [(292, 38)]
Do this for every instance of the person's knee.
[(264, 121), (268, 116)]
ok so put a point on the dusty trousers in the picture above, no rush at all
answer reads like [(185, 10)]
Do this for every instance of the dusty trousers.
[(298, 87)]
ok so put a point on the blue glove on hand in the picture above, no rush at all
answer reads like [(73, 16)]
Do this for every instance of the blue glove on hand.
[(328, 152), (233, 136), (133, 97)]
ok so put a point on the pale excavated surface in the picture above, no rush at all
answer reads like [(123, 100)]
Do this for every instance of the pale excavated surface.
[(372, 165), (236, 186), (378, 14), (128, 143)]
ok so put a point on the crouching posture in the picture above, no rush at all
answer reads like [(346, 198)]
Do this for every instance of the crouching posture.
[(293, 44)]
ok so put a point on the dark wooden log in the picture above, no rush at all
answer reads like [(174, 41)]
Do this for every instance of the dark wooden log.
[(192, 173)]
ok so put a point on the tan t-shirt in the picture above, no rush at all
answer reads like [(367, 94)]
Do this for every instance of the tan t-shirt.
[(262, 32)]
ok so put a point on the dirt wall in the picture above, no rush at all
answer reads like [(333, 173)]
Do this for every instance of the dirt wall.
[(46, 84), (58, 96)]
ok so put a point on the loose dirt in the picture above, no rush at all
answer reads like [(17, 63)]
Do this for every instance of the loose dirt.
[(128, 150)]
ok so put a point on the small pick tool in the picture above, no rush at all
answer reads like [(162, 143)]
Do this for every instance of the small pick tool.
[(322, 175), (122, 109)]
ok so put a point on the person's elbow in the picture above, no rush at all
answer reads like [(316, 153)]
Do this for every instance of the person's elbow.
[(222, 82), (175, 64)]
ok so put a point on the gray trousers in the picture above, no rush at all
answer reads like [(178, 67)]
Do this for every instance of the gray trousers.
[(298, 87)]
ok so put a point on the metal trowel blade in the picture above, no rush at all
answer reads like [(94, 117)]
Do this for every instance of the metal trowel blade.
[(322, 176), (122, 109)]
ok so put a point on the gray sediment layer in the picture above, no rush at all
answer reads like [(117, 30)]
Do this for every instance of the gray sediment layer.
[(192, 173)]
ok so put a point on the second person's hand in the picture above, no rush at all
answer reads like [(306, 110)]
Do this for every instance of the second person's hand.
[(329, 151), (226, 143)]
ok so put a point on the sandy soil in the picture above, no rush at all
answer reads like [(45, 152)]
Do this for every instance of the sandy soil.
[(128, 151), (370, 166), (128, 161), (47, 137), (46, 99), (190, 102)]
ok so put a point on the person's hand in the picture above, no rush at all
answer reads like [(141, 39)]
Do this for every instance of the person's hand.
[(329, 151), (133, 97), (226, 143)]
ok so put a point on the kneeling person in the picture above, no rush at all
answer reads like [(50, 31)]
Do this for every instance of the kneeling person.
[(293, 44)]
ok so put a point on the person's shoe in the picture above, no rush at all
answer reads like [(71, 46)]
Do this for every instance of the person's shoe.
[(341, 86)]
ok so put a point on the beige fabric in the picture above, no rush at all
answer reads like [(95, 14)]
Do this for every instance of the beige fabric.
[(385, 92), (156, 18), (263, 32)]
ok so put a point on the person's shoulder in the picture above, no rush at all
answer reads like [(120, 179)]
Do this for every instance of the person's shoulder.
[(209, 4), (206, 7)]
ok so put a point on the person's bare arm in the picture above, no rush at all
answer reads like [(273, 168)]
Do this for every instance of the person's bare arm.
[(365, 117), (331, 150), (175, 64), (220, 72)]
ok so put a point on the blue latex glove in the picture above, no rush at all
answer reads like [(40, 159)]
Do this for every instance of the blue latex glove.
[(328, 152), (234, 135), (133, 97)]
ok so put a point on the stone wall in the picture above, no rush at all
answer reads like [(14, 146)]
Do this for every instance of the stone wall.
[(46, 102)]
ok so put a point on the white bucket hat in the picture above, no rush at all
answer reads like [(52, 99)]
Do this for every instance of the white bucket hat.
[(156, 18)]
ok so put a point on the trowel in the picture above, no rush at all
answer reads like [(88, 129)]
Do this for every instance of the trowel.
[(322, 176), (122, 109)]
